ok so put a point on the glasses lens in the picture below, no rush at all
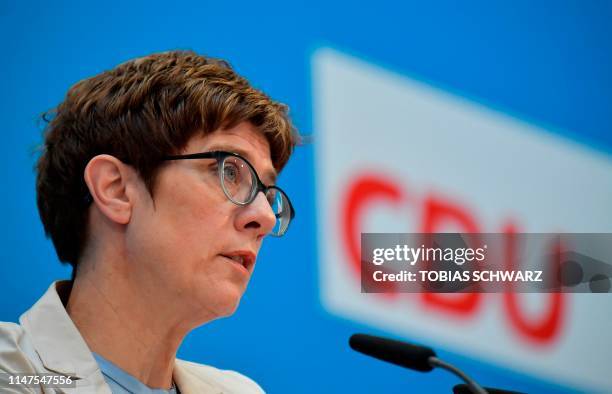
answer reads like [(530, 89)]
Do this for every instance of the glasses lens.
[(237, 179), (281, 208)]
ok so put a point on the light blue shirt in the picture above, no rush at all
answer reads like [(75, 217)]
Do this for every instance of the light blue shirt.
[(122, 382)]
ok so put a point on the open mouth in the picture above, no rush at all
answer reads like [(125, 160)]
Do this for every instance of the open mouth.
[(246, 260)]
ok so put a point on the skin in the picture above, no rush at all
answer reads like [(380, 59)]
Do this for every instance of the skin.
[(153, 268)]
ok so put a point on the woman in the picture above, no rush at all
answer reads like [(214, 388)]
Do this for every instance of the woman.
[(156, 184)]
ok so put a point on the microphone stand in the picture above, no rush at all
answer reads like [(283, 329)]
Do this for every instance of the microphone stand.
[(474, 387)]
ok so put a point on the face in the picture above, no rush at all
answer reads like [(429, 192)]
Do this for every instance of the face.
[(196, 250)]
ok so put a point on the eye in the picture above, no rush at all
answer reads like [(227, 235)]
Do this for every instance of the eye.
[(231, 172)]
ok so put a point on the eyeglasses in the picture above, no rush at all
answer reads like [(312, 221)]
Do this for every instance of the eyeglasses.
[(241, 184)]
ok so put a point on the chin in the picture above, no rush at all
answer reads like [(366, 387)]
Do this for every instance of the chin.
[(226, 305), (232, 306), (232, 310)]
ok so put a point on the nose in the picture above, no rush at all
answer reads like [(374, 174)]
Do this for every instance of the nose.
[(257, 217)]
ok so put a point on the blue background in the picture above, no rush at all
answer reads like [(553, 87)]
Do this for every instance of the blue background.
[(548, 62)]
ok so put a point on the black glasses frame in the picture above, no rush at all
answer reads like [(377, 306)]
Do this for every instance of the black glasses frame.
[(220, 157)]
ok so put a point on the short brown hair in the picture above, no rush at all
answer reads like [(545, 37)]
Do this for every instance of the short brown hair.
[(139, 112)]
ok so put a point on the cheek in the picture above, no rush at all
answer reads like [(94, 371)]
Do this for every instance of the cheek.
[(189, 225), (175, 241), (197, 223)]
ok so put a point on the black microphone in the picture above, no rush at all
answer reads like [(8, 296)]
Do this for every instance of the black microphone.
[(419, 358), (395, 352)]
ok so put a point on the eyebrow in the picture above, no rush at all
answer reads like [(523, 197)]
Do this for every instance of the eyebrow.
[(269, 175)]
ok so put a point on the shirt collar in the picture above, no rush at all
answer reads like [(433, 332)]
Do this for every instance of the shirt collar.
[(55, 337), (62, 349)]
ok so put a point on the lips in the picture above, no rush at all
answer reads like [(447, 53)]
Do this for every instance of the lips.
[(242, 257)]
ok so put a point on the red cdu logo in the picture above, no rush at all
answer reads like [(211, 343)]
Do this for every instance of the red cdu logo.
[(435, 214)]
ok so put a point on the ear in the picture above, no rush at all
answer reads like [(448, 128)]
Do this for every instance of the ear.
[(109, 182)]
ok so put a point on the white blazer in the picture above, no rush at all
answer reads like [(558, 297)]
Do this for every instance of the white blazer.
[(47, 341)]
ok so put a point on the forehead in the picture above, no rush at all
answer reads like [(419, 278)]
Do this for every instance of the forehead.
[(243, 139)]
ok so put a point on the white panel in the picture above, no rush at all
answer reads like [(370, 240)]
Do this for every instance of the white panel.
[(430, 142)]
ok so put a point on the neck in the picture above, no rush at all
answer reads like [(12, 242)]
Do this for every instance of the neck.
[(126, 323)]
